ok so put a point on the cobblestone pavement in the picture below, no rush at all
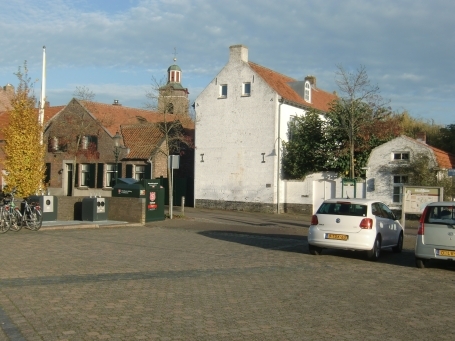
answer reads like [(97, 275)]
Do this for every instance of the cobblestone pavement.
[(214, 278)]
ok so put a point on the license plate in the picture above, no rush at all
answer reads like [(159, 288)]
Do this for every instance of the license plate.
[(336, 236), (446, 253)]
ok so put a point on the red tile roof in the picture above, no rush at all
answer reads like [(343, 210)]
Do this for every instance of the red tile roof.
[(445, 160), (141, 139), (320, 99), (114, 116)]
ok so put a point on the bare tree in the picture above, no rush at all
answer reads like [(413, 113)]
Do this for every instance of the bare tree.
[(359, 105), (169, 100)]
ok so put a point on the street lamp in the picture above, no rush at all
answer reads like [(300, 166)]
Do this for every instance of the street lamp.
[(117, 137)]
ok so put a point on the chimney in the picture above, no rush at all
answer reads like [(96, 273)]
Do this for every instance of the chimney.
[(311, 79), (421, 137), (238, 53)]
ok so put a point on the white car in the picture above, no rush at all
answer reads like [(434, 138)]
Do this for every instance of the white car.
[(355, 224), (436, 234)]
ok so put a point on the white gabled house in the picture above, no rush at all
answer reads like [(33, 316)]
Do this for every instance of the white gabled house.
[(241, 119), (384, 182)]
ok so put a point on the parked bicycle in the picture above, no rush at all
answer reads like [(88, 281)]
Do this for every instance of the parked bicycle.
[(5, 222), (13, 218)]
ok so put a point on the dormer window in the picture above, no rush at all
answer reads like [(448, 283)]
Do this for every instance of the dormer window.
[(307, 92), (401, 156)]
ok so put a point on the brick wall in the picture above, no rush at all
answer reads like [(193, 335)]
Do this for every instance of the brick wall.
[(119, 209)]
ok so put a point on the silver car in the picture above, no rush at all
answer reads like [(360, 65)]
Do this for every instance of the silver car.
[(436, 234)]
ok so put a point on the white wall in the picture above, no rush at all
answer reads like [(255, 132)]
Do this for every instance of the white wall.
[(232, 133)]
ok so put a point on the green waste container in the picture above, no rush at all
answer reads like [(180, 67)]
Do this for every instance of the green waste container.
[(154, 200), (128, 188)]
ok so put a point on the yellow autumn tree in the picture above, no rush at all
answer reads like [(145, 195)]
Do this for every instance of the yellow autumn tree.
[(24, 150)]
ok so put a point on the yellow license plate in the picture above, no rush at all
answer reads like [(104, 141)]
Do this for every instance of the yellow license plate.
[(446, 253), (336, 236)]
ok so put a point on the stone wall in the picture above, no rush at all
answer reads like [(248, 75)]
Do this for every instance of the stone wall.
[(254, 206)]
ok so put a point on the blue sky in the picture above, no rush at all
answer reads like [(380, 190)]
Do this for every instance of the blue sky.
[(116, 47)]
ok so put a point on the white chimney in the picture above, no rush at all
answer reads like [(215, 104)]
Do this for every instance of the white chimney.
[(238, 52)]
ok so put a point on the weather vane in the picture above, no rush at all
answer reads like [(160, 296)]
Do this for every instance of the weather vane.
[(175, 54)]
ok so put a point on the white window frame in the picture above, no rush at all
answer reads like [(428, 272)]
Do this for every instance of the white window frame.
[(398, 156), (307, 96), (109, 174), (84, 173), (246, 85), (399, 181), (138, 170), (223, 94)]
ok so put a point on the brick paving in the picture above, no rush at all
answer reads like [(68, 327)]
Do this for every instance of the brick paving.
[(230, 276)]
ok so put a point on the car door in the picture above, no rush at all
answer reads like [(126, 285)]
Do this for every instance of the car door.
[(382, 222), (440, 227), (393, 228)]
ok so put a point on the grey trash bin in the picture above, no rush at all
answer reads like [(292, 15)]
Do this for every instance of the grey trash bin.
[(94, 209), (48, 204)]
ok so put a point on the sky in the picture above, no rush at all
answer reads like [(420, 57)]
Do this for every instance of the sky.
[(116, 48)]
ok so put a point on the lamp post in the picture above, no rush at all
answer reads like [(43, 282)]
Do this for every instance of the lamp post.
[(117, 137)]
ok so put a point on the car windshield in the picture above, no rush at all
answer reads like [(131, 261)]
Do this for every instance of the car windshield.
[(343, 208), (440, 215)]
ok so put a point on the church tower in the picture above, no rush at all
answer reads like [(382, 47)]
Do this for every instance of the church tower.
[(173, 97)]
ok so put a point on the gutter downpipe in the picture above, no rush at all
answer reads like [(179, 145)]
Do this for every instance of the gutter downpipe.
[(279, 158)]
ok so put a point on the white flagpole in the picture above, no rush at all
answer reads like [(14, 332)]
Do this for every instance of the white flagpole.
[(43, 93)]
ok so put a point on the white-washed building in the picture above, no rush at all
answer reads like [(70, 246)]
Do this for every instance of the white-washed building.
[(241, 119), (384, 182)]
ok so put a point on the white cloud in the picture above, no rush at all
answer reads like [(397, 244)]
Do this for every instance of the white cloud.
[(404, 44)]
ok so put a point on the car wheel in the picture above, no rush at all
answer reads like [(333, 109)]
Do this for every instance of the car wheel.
[(421, 263), (375, 252), (314, 250), (399, 247)]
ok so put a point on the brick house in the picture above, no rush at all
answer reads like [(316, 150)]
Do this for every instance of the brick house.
[(91, 144), (241, 119), (384, 182)]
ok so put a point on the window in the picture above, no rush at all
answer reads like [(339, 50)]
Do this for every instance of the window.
[(307, 95), (85, 175), (89, 142), (170, 108), (56, 144), (401, 156), (246, 89), (139, 172), (110, 175), (398, 181), (223, 91)]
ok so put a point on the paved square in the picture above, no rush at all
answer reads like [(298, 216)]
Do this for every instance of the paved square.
[(202, 283)]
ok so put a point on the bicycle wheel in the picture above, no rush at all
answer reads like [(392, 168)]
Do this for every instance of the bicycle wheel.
[(16, 220), (4, 221), (33, 218)]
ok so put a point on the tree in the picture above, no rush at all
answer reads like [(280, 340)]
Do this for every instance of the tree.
[(359, 107), (24, 148), (307, 149), (168, 100)]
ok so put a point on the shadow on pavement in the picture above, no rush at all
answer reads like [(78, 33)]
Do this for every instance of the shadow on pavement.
[(299, 244)]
